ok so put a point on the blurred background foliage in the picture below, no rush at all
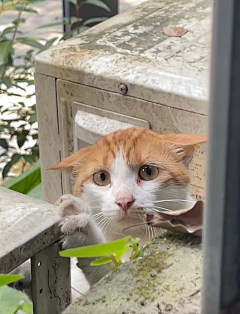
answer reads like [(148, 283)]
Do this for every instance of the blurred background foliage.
[(19, 150)]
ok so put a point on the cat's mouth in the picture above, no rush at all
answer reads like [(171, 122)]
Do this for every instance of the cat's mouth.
[(135, 212)]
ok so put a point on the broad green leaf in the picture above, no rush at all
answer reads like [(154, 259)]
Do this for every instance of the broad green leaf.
[(98, 3), (5, 51), (33, 118), (29, 159), (7, 279), (94, 20), (26, 308), (50, 42), (7, 81), (9, 300), (98, 250), (26, 181), (3, 142), (22, 137), (36, 192), (101, 261), (30, 42), (15, 158), (120, 253)]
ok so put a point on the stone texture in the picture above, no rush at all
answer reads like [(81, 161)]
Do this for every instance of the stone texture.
[(165, 279), (132, 49), (27, 226)]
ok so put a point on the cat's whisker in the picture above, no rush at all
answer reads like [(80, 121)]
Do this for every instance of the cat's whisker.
[(102, 221), (105, 229), (161, 208), (135, 225), (97, 215), (151, 231), (104, 224), (175, 200)]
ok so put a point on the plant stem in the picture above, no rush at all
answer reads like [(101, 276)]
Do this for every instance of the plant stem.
[(115, 261)]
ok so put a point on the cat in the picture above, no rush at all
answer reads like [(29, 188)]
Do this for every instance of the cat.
[(118, 180)]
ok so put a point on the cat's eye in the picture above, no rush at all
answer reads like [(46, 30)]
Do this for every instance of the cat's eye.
[(148, 173), (101, 178)]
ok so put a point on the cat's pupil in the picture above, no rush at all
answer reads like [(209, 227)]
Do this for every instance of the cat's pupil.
[(148, 170), (103, 176)]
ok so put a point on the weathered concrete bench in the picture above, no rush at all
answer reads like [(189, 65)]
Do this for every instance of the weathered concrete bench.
[(165, 278), (29, 229)]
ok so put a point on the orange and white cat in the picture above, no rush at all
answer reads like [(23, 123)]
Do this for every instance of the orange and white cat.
[(117, 181)]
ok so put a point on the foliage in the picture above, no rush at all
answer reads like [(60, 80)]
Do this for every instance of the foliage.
[(7, 279), (10, 300), (108, 252), (19, 122), (27, 183)]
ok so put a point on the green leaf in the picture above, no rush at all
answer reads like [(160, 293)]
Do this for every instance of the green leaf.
[(22, 9), (101, 261), (7, 279), (18, 21), (32, 42), (36, 192), (5, 52), (15, 158), (9, 300), (3, 143), (26, 308), (94, 20), (7, 81), (26, 181), (22, 137), (29, 158), (62, 22), (98, 3), (33, 118), (98, 250), (48, 44), (9, 30), (120, 253)]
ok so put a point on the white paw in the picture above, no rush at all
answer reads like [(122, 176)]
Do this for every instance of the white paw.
[(70, 205), (74, 230)]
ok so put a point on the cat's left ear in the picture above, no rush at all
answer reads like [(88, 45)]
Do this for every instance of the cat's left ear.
[(184, 145), (68, 164)]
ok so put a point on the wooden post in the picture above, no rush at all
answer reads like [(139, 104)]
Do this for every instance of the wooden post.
[(51, 288)]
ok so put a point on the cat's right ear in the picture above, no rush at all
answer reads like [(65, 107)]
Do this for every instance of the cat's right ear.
[(68, 164)]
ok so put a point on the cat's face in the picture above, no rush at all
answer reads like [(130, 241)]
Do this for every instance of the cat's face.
[(125, 173)]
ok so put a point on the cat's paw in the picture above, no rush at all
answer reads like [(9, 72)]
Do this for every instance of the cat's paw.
[(71, 205), (74, 230)]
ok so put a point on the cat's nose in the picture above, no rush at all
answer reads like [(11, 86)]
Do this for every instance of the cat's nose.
[(125, 202)]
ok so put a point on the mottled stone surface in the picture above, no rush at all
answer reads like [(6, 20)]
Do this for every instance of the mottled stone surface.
[(27, 226), (132, 49), (165, 279)]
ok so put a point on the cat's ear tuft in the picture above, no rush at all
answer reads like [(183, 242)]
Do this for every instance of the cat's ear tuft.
[(68, 164), (184, 145)]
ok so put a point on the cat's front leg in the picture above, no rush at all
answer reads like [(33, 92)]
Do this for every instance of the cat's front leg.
[(80, 229)]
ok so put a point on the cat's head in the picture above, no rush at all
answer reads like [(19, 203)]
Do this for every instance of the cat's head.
[(129, 170)]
